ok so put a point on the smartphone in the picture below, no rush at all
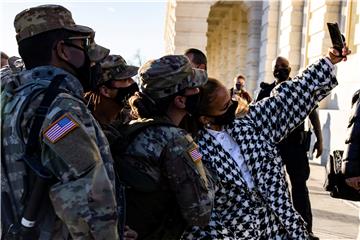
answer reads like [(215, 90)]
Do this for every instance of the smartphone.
[(337, 39)]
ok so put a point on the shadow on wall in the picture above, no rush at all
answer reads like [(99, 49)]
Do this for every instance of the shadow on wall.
[(326, 140), (333, 103)]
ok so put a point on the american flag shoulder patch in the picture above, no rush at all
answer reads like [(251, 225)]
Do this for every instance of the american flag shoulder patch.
[(195, 154), (60, 128)]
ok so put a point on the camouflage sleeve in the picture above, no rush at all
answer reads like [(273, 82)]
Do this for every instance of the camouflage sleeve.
[(187, 178), (83, 197)]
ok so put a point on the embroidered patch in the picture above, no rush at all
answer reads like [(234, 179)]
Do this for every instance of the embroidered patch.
[(195, 154), (60, 128)]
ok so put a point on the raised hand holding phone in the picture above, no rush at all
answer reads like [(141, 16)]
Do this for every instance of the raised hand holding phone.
[(339, 51)]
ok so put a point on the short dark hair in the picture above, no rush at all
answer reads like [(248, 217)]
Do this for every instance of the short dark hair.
[(198, 56), (4, 55), (240, 76), (37, 50)]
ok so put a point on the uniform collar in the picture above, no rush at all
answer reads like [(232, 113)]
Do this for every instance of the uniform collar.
[(44, 74)]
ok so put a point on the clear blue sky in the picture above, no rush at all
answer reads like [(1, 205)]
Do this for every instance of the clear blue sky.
[(124, 27)]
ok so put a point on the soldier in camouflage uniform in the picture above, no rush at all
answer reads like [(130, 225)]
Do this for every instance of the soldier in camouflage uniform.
[(108, 102), (167, 185), (6, 75), (9, 72), (116, 85), (81, 203)]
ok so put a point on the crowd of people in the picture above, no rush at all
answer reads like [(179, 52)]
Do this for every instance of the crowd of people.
[(89, 153)]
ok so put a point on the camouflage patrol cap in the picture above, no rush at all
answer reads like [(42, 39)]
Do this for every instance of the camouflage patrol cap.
[(168, 75), (114, 67), (44, 18)]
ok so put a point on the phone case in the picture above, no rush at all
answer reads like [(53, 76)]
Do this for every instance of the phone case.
[(337, 38)]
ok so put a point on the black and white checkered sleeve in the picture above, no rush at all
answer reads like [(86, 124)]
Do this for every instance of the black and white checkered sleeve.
[(292, 101)]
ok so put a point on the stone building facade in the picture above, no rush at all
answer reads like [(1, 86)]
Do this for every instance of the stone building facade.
[(244, 37)]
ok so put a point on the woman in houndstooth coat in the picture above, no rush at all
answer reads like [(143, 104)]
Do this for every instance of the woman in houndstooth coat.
[(252, 200)]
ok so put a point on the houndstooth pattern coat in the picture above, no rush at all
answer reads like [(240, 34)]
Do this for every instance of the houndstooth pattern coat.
[(267, 212)]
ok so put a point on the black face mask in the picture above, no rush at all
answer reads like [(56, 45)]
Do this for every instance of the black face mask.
[(93, 78), (281, 74), (191, 104), (88, 75), (227, 117), (123, 94), (238, 86)]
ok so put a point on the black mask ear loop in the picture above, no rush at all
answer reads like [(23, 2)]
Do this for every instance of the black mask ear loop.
[(192, 104), (225, 118), (88, 75)]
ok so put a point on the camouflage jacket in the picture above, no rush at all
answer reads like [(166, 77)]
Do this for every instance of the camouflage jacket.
[(73, 149), (167, 186), (8, 76)]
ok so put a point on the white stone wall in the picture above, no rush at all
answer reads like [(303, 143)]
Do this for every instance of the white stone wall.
[(290, 32), (186, 25), (253, 46), (268, 40)]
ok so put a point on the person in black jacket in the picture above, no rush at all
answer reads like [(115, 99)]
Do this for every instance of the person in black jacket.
[(351, 159), (293, 148)]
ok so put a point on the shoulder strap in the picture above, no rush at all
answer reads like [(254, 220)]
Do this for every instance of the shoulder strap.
[(128, 132), (134, 129), (32, 149)]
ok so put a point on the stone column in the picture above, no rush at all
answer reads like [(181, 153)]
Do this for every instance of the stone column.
[(224, 54), (186, 26), (290, 33), (242, 45), (269, 40), (253, 47), (233, 68), (169, 32)]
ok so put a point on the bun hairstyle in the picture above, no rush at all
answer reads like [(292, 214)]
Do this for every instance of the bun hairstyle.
[(143, 106)]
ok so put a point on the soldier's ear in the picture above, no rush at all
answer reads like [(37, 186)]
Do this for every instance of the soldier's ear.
[(289, 69), (105, 91), (202, 66), (179, 101), (61, 51)]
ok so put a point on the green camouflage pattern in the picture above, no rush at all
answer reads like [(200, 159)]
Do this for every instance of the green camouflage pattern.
[(43, 18), (163, 151), (114, 67), (96, 52), (9, 72), (84, 196), (16, 64), (6, 75), (168, 75)]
